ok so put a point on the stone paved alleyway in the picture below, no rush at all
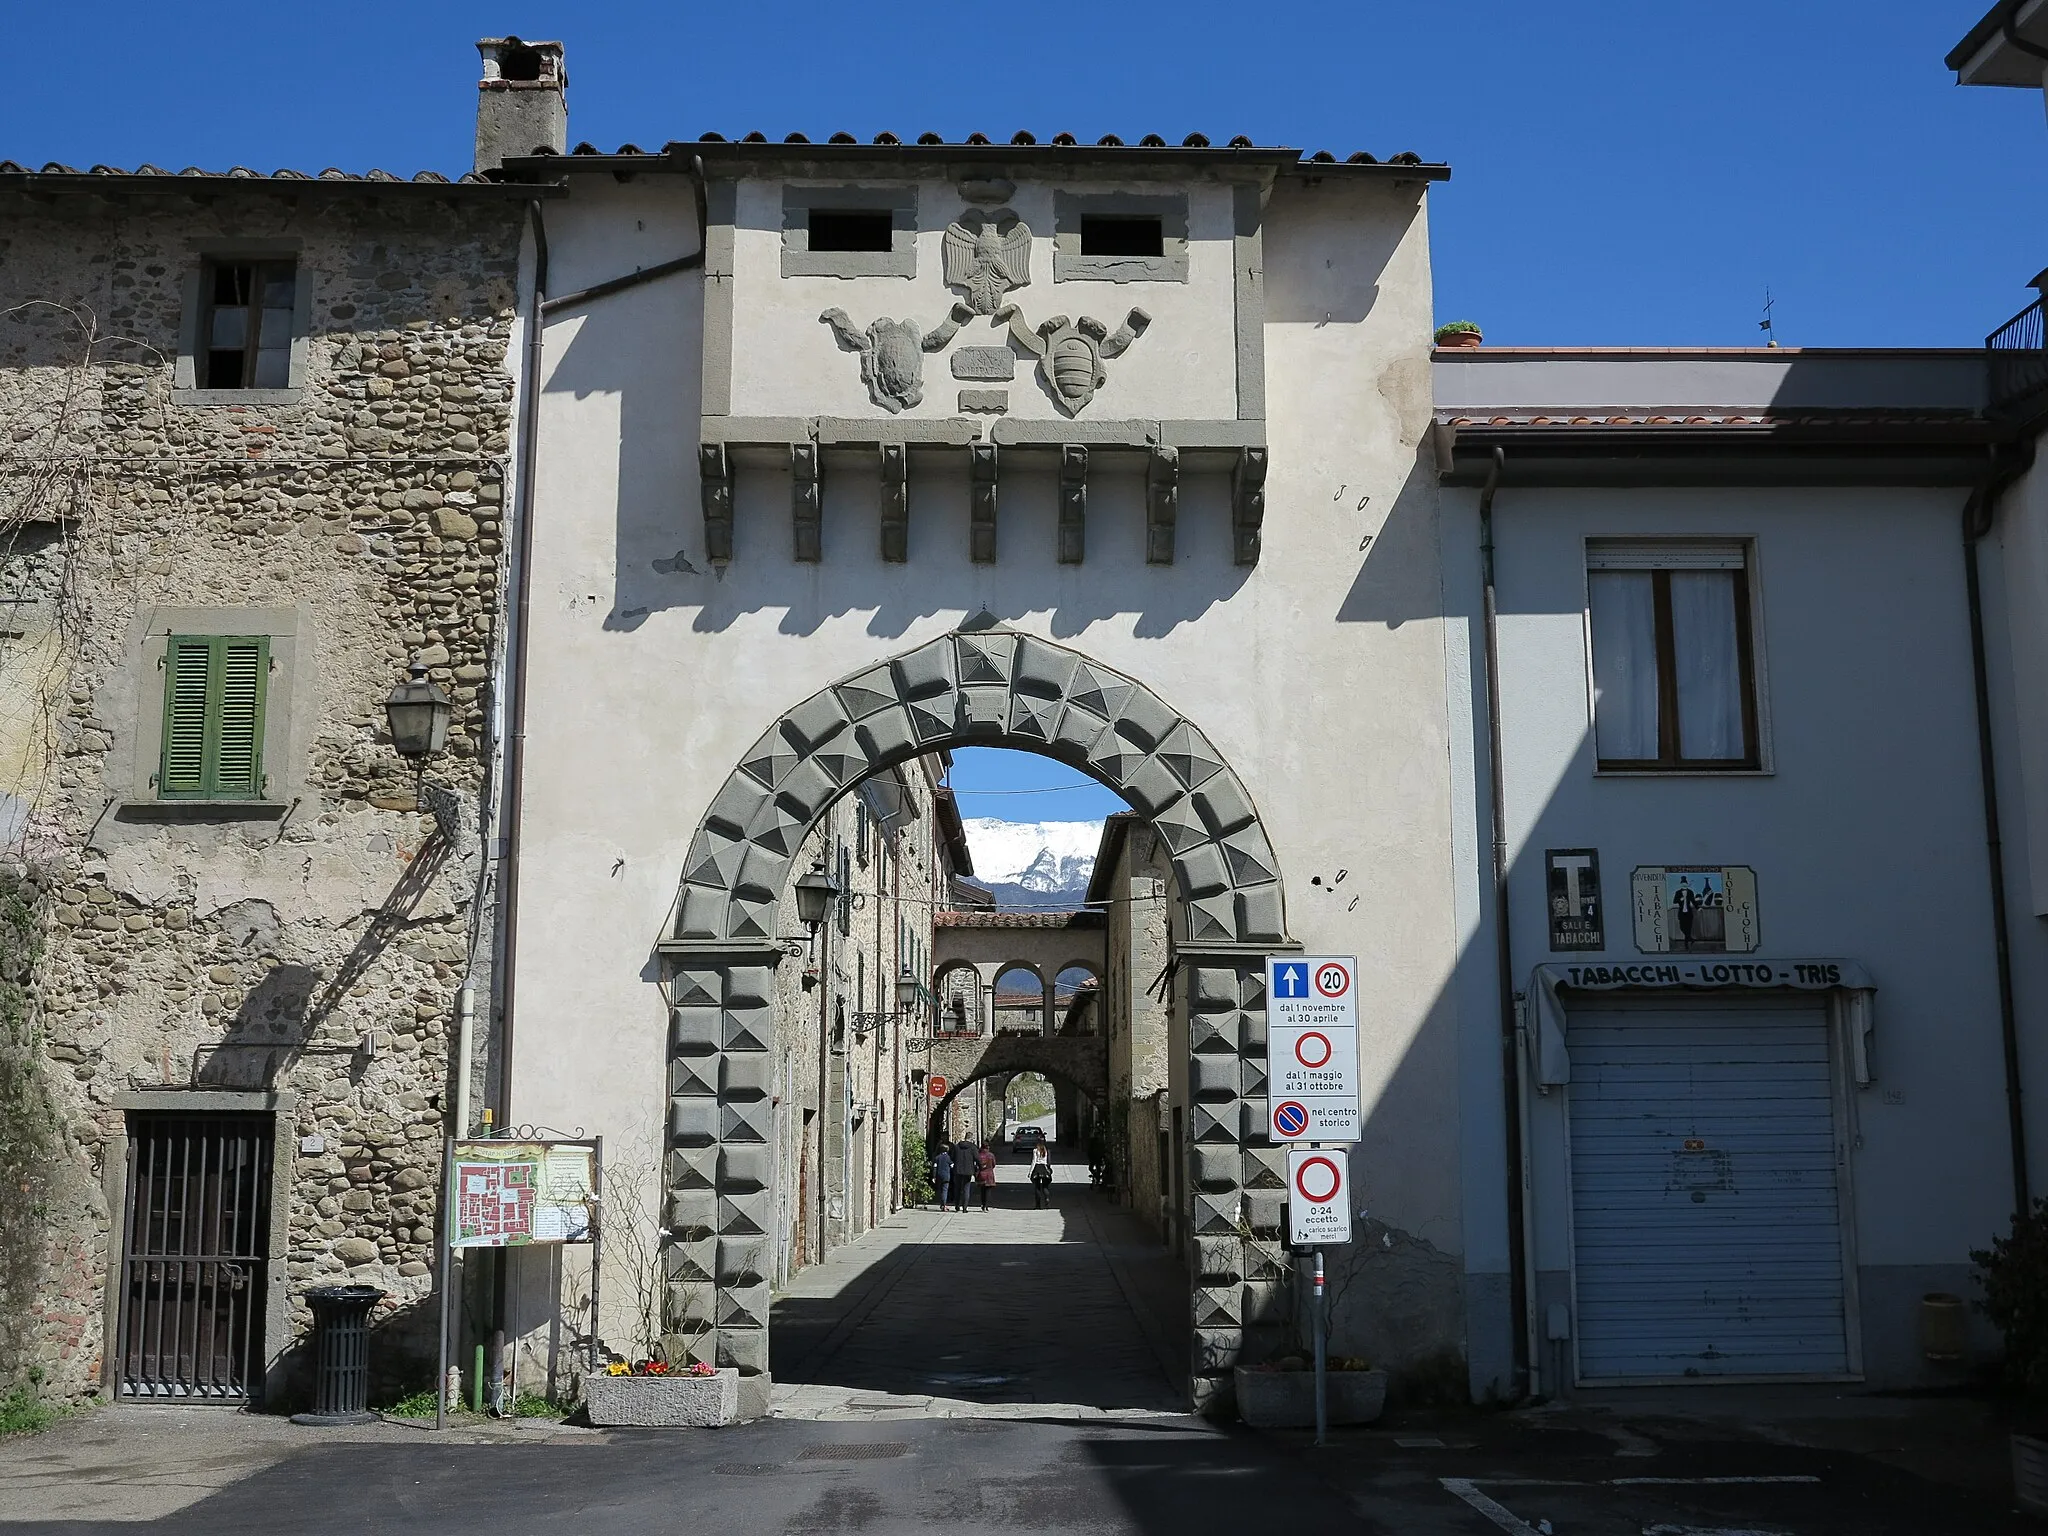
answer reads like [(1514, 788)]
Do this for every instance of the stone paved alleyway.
[(969, 1313)]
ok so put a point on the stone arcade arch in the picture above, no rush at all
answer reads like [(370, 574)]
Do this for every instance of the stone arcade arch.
[(983, 685)]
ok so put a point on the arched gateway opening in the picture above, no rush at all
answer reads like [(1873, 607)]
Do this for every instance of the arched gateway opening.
[(980, 686)]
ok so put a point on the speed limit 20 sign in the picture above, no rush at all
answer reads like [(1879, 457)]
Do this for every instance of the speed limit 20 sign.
[(1312, 1047)]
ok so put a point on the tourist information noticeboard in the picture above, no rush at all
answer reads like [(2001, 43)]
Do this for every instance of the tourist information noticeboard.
[(511, 1193), (1312, 1047)]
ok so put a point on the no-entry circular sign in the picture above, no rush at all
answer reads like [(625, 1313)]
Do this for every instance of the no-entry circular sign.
[(1312, 1049), (1318, 1179), (935, 1086), (1332, 979)]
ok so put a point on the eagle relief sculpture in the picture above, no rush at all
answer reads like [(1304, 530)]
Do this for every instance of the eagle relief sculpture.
[(987, 254), (892, 353)]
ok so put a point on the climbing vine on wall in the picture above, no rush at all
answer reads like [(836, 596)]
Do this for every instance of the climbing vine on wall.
[(28, 1128)]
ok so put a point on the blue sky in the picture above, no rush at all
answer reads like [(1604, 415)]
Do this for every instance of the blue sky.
[(1624, 172), (1020, 786)]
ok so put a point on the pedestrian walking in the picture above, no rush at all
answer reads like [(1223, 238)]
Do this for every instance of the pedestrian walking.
[(942, 1174), (1041, 1176), (985, 1174), (963, 1171)]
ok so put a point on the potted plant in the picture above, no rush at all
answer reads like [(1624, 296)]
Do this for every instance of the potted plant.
[(648, 1393), (2014, 1274), (1459, 333), (668, 1381), (1281, 1394)]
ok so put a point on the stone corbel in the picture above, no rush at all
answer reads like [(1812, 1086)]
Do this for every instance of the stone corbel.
[(981, 515), (714, 479), (806, 502), (1248, 504), (1073, 502), (1162, 504), (895, 503)]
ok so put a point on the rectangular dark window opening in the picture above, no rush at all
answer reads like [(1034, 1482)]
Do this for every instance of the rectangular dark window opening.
[(245, 325), (851, 229), (1122, 235), (1674, 671)]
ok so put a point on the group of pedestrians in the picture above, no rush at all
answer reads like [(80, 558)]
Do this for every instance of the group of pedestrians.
[(965, 1163), (960, 1165)]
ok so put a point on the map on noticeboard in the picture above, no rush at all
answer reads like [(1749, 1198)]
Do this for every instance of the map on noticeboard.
[(511, 1193)]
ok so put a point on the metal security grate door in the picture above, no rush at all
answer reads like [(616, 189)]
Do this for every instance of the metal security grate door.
[(1705, 1213), (197, 1240)]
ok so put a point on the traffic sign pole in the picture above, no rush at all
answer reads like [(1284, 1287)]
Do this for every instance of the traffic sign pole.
[(1322, 1329)]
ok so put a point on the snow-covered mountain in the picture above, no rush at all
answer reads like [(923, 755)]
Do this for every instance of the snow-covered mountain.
[(1033, 863)]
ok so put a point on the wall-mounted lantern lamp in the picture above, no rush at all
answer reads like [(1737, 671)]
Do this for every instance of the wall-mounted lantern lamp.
[(418, 713), (814, 894)]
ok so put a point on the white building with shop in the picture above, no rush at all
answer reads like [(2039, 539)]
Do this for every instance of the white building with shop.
[(1758, 1078)]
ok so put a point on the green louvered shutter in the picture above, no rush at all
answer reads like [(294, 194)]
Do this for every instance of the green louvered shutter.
[(238, 762), (214, 687)]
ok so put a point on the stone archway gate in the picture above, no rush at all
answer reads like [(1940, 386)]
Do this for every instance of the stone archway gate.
[(1082, 1060), (984, 685)]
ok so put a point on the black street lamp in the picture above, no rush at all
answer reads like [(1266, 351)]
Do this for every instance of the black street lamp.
[(814, 894), (418, 713)]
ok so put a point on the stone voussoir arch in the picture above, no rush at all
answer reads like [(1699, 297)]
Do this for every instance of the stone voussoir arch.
[(983, 685)]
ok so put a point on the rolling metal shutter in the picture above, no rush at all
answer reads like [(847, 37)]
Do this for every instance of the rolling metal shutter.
[(1705, 1215)]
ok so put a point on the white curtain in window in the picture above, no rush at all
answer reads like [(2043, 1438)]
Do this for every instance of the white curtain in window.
[(1708, 665), (1624, 664)]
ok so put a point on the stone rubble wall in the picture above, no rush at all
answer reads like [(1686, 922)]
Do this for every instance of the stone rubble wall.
[(242, 954)]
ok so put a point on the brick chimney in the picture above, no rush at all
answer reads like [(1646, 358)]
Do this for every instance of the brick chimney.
[(522, 104)]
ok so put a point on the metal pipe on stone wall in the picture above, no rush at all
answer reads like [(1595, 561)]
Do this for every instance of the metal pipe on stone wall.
[(1521, 1292)]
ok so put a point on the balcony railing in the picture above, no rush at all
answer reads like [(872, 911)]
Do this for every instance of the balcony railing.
[(2019, 363)]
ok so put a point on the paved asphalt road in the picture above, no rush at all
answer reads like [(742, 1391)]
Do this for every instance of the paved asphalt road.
[(974, 1373), (1159, 1478)]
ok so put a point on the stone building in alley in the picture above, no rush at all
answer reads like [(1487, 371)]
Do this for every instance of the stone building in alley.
[(253, 463)]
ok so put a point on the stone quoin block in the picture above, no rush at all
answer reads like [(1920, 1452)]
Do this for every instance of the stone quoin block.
[(693, 1121), (693, 1076), (1219, 1260), (743, 1306), (692, 1213), (745, 1169), (745, 1215), (693, 1168), (745, 1349), (1218, 1307), (693, 1304), (1214, 1076), (746, 1074), (1214, 1169), (696, 1031), (693, 1263), (742, 1261)]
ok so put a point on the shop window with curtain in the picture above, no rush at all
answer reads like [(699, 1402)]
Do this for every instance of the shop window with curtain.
[(1674, 670)]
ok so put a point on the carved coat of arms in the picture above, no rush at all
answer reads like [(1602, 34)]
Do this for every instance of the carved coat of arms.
[(987, 254), (892, 353), (1070, 354)]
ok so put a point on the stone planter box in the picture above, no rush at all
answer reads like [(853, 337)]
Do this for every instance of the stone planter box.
[(2030, 1473), (1287, 1399), (663, 1402)]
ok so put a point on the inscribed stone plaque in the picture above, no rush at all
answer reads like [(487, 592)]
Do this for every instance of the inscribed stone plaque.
[(994, 402), (984, 363)]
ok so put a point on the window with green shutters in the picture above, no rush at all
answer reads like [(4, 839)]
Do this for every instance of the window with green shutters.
[(214, 688)]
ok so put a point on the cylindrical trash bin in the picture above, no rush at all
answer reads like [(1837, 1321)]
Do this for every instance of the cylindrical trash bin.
[(341, 1354)]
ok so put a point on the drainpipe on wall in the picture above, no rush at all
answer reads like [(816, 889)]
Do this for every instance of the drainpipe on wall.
[(1521, 1292), (1979, 513)]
